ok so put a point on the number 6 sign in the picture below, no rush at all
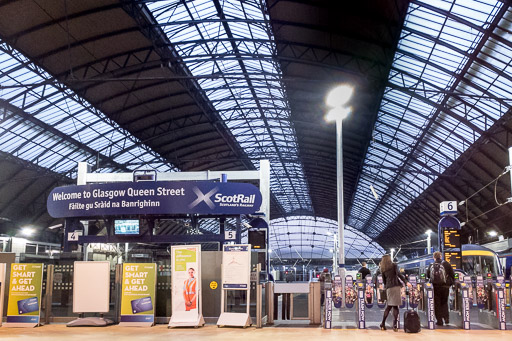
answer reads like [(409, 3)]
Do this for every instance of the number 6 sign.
[(448, 208)]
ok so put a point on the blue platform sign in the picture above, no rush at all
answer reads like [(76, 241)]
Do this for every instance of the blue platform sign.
[(153, 198)]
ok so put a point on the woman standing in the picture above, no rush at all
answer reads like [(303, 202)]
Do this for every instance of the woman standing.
[(391, 276)]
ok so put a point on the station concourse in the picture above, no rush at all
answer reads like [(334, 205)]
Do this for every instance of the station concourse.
[(218, 169)]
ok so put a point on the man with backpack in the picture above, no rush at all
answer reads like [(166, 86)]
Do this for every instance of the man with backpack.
[(442, 277)]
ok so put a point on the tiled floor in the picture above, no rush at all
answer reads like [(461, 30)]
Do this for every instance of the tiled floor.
[(57, 332)]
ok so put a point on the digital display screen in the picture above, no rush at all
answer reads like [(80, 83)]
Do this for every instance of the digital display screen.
[(127, 227), (451, 238), (454, 258), (257, 239)]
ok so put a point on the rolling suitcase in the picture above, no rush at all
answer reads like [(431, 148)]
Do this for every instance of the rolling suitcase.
[(411, 322)]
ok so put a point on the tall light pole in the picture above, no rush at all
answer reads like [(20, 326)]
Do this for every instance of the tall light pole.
[(429, 241), (337, 100)]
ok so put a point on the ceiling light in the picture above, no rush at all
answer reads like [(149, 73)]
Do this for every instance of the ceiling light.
[(27, 231), (492, 233), (428, 232)]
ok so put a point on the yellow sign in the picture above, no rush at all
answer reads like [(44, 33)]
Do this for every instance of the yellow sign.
[(213, 285)]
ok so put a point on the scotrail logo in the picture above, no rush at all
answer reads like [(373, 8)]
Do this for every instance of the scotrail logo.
[(201, 197), (235, 200)]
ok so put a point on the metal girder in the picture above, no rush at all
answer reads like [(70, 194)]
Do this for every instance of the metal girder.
[(57, 133)]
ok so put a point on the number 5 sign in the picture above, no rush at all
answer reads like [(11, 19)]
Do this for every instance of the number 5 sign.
[(448, 208), (230, 235)]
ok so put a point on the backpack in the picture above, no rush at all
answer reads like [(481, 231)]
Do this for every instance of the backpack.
[(411, 322), (438, 273)]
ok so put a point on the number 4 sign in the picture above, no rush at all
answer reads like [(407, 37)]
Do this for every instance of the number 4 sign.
[(73, 236), (448, 208)]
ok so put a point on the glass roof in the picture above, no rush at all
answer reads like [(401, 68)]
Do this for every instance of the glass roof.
[(49, 125), (307, 237), (228, 46), (450, 81)]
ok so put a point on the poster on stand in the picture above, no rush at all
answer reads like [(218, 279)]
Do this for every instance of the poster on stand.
[(236, 275), (138, 294), (25, 286), (186, 285), (236, 266)]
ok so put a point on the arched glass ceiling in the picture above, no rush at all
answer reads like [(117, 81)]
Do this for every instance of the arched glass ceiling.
[(450, 81), (49, 125), (307, 237), (228, 46)]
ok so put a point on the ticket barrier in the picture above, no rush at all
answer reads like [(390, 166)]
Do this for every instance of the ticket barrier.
[(479, 303), (356, 306), (295, 301)]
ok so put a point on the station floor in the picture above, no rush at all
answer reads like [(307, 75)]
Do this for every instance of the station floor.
[(58, 332)]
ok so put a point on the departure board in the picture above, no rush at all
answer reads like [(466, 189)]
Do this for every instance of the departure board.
[(454, 258), (451, 238)]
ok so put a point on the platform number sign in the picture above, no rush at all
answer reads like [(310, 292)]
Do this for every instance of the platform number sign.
[(230, 235), (73, 236), (448, 207)]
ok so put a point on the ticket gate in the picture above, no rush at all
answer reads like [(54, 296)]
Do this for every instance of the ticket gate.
[(475, 304)]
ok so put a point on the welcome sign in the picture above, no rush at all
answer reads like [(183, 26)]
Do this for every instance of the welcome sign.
[(158, 197), (25, 287)]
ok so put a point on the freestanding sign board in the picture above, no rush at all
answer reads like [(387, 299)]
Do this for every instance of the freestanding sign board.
[(236, 275), (236, 266), (25, 286), (138, 294), (91, 292), (2, 288), (186, 286)]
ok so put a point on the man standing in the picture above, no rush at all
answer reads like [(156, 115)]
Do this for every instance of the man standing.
[(189, 291), (442, 277), (364, 271)]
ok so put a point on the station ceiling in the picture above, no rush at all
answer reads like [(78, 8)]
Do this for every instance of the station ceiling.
[(219, 85)]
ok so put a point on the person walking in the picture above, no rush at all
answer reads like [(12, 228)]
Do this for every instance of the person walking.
[(364, 271), (391, 278), (441, 276)]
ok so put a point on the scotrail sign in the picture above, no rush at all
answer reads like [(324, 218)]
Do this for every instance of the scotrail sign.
[(159, 197)]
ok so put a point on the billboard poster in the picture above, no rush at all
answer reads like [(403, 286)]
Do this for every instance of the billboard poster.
[(138, 293), (236, 266), (186, 282), (25, 288)]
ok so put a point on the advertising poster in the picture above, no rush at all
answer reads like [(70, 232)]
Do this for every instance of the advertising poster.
[(25, 294), (236, 266), (186, 282), (138, 293)]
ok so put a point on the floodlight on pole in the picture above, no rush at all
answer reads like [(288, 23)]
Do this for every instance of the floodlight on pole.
[(337, 113), (339, 96), (337, 100), (429, 241)]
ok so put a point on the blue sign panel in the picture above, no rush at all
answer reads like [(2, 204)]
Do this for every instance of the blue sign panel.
[(449, 222), (162, 197)]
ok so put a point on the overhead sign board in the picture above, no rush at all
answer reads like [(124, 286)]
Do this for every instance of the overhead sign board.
[(448, 208), (160, 197)]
